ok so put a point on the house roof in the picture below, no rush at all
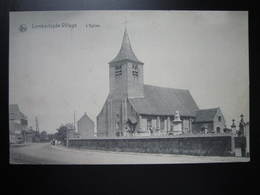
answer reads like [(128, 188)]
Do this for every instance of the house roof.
[(15, 113), (85, 117), (206, 115), (164, 101), (126, 52)]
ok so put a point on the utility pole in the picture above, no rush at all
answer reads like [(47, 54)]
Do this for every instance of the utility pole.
[(37, 125), (74, 121), (37, 129)]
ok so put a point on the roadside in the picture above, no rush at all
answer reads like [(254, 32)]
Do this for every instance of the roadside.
[(45, 153), (20, 145)]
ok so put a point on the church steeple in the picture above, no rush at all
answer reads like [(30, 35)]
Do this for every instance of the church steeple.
[(126, 51), (126, 73)]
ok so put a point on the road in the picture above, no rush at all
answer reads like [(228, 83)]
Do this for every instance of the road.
[(45, 153)]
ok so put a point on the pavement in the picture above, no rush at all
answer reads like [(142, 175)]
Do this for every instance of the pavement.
[(45, 153)]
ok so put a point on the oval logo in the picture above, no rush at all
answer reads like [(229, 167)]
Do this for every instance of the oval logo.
[(23, 28)]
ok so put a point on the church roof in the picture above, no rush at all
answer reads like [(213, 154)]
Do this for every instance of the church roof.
[(164, 101), (15, 113), (126, 52), (206, 115)]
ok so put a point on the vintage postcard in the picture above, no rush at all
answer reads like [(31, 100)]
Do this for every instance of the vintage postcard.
[(128, 87)]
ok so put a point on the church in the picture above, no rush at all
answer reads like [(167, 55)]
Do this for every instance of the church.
[(136, 109)]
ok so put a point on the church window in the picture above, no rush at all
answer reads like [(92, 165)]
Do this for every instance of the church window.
[(171, 125), (134, 66), (135, 70), (162, 123), (157, 123), (149, 124), (118, 70)]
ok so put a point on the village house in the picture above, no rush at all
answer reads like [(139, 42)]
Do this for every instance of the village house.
[(209, 121), (134, 108), (18, 123), (29, 135), (85, 126)]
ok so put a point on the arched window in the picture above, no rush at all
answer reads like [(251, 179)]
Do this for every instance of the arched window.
[(162, 123), (219, 119), (149, 124), (218, 129)]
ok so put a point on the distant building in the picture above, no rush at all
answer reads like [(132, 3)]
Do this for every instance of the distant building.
[(209, 121), (44, 136), (18, 123), (29, 136), (86, 126)]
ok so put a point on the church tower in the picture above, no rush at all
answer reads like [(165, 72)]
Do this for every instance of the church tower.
[(126, 73), (125, 82)]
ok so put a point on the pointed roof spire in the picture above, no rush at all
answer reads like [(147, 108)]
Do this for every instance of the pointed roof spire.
[(126, 52)]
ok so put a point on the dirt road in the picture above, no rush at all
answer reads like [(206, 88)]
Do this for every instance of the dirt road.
[(44, 153)]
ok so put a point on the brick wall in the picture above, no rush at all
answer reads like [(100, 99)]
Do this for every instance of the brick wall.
[(190, 145)]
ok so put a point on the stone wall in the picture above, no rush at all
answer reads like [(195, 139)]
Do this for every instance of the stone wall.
[(217, 145)]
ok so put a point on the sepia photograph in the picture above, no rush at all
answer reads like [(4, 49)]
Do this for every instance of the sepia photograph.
[(128, 87)]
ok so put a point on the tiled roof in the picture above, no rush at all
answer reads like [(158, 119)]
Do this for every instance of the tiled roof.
[(206, 115), (126, 52), (164, 101), (15, 113)]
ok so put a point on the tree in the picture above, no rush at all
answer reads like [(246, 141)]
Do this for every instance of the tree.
[(62, 134), (52, 136)]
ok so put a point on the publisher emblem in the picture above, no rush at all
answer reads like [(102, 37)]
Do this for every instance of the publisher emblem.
[(23, 28)]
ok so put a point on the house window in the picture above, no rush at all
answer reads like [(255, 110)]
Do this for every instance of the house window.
[(135, 70), (219, 118), (118, 71)]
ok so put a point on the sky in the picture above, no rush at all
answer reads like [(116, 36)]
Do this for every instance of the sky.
[(54, 72)]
